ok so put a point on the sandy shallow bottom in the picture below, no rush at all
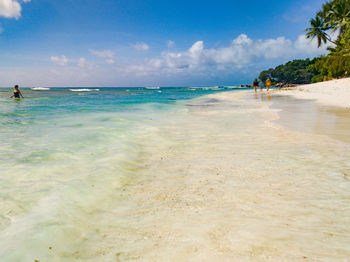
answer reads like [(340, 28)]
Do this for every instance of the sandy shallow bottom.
[(220, 180)]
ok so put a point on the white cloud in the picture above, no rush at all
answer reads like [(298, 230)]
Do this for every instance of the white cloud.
[(141, 46), (10, 9), (242, 53), (59, 60), (110, 61), (240, 60), (171, 44), (103, 53), (82, 62), (305, 46)]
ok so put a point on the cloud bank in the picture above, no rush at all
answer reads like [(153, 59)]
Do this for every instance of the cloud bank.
[(242, 52), (239, 61)]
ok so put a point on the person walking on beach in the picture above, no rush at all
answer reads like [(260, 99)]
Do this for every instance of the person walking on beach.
[(255, 84), (268, 84), (16, 92)]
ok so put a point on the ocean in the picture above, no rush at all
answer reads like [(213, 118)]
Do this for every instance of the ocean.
[(167, 174)]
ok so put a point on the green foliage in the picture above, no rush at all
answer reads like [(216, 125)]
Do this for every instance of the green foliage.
[(294, 72), (317, 78), (333, 66), (338, 15), (334, 16), (337, 62), (345, 40), (264, 75), (317, 30)]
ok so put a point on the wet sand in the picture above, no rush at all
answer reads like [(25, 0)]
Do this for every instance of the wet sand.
[(227, 182), (228, 177), (306, 115)]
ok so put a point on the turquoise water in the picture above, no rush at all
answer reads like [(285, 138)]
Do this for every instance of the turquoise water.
[(171, 174), (63, 153)]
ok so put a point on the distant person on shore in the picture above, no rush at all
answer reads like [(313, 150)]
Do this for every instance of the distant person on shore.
[(268, 84), (325, 79), (255, 84), (16, 92)]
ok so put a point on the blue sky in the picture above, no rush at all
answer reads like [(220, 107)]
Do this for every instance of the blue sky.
[(149, 42)]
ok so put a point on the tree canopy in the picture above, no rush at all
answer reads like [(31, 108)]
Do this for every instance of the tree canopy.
[(294, 72), (334, 17)]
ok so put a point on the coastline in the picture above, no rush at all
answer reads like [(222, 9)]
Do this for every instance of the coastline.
[(215, 179), (242, 188), (330, 93)]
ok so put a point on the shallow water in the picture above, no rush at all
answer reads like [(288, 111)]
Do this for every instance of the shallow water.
[(169, 177), (307, 116)]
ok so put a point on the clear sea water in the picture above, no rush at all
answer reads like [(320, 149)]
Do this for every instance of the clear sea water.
[(58, 144), (170, 174)]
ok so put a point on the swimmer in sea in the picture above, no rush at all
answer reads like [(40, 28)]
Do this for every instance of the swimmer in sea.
[(16, 92)]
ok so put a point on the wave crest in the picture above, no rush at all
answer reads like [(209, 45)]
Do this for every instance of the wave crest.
[(83, 90), (40, 88)]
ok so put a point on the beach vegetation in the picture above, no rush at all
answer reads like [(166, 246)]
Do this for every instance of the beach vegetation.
[(333, 19), (318, 30), (300, 71), (337, 62)]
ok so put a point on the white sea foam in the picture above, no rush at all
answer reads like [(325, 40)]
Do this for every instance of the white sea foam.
[(84, 90), (40, 88), (231, 87), (152, 87), (205, 87), (196, 87)]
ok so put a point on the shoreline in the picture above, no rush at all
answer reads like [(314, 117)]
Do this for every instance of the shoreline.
[(225, 207), (214, 179), (330, 93)]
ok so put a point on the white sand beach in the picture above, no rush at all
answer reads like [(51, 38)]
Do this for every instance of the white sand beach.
[(332, 93)]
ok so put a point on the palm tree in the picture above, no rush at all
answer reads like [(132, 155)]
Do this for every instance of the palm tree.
[(318, 29), (338, 16), (324, 13)]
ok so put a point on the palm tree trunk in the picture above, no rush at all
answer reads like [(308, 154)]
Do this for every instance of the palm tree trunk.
[(329, 39), (341, 31)]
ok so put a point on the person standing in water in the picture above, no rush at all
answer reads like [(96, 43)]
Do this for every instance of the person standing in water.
[(255, 84), (16, 92), (268, 84)]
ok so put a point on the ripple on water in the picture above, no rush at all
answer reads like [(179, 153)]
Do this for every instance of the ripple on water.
[(215, 184)]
